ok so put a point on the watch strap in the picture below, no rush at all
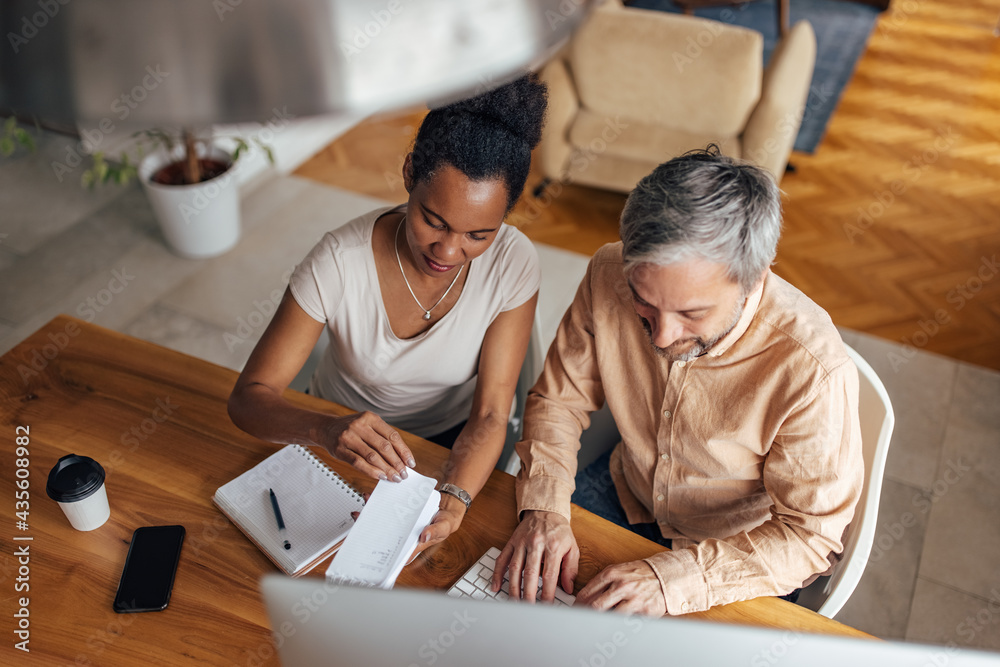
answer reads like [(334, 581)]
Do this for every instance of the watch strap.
[(457, 492)]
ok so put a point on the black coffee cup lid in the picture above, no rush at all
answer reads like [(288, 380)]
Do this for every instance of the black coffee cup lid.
[(74, 478)]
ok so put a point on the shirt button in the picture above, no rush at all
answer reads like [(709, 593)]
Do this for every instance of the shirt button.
[(665, 457), (681, 364), (660, 497), (666, 413), (685, 606)]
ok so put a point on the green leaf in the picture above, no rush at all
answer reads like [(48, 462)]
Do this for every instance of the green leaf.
[(6, 146), (25, 139), (267, 151), (241, 147)]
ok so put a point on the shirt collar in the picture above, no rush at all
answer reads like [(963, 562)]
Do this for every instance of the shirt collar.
[(749, 311)]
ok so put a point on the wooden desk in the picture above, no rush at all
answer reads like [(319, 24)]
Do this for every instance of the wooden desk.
[(156, 420)]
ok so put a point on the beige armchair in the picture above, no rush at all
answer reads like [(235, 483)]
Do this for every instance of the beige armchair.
[(636, 87)]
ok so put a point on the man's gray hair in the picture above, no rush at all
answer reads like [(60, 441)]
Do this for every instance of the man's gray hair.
[(704, 205)]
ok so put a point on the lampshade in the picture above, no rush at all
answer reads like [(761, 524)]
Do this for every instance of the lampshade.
[(194, 62)]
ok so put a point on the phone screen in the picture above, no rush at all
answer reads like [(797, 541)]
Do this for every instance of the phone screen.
[(148, 575)]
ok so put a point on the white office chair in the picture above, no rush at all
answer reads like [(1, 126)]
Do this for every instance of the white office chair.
[(828, 594)]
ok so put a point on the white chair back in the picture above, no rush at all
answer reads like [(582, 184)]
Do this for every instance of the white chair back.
[(827, 595)]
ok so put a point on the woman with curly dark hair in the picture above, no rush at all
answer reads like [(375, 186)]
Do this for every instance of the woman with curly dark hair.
[(428, 307)]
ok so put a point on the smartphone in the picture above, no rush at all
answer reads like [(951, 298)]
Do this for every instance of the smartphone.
[(148, 575)]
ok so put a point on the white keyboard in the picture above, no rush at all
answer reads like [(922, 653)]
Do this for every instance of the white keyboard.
[(476, 583)]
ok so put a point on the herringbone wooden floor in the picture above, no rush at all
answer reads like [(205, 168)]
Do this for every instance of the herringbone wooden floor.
[(893, 225)]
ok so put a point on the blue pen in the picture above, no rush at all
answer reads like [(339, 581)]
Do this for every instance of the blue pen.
[(277, 515)]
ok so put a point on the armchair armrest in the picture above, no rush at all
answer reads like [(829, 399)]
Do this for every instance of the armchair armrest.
[(771, 129), (554, 148)]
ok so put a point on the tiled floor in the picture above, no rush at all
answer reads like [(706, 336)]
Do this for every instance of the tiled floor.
[(934, 575)]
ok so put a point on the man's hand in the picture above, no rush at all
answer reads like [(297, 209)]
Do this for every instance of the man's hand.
[(631, 588), (542, 543)]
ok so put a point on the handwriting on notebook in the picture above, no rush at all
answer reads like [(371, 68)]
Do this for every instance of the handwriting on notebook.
[(386, 532)]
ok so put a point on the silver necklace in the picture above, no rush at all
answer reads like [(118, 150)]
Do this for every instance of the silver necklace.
[(427, 311)]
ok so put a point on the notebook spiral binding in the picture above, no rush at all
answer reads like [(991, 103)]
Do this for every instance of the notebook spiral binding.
[(330, 472)]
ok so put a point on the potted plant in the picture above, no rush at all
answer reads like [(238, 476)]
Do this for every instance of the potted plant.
[(12, 136), (190, 185)]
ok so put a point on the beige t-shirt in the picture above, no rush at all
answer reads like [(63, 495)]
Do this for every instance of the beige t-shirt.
[(423, 384)]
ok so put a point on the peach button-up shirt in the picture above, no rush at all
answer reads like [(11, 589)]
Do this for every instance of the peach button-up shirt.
[(748, 457)]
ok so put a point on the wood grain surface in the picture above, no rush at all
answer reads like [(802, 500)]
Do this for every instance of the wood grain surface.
[(156, 420)]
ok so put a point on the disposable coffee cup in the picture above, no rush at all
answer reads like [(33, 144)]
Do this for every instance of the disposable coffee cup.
[(77, 484)]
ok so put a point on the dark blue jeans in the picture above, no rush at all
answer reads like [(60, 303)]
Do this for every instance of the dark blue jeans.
[(595, 492)]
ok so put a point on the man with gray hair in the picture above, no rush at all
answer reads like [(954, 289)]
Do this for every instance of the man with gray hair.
[(735, 399)]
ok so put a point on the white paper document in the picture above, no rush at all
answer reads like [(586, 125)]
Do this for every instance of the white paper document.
[(386, 532)]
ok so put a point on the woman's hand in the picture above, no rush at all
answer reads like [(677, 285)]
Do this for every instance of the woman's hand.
[(369, 444), (445, 522)]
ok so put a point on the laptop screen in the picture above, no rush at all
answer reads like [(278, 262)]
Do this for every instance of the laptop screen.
[(318, 623)]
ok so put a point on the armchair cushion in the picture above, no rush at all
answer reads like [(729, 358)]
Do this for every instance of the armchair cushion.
[(637, 87), (639, 140), (676, 71)]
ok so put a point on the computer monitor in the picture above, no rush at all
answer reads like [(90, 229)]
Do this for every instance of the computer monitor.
[(319, 623)]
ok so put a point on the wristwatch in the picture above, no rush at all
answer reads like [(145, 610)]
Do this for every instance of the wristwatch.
[(458, 492)]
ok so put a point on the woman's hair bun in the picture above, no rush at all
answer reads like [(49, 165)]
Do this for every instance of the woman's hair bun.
[(519, 106), (489, 135)]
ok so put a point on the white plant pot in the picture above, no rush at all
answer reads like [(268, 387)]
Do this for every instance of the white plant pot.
[(198, 221)]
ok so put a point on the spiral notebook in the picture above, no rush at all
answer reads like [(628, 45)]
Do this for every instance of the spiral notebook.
[(316, 505)]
